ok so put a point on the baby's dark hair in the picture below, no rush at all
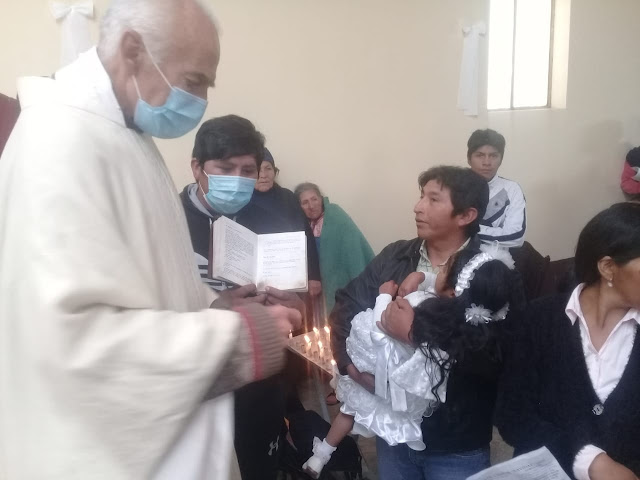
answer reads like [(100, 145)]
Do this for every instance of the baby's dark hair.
[(440, 325)]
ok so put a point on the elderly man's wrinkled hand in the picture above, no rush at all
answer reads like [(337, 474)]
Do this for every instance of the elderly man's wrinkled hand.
[(242, 295), (285, 319), (287, 299)]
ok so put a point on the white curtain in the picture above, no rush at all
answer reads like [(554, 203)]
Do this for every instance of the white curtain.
[(76, 38), (470, 69)]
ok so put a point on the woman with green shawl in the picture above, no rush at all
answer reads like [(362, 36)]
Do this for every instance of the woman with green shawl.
[(343, 250)]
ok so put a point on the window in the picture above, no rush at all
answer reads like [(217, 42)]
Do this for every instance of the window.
[(520, 46)]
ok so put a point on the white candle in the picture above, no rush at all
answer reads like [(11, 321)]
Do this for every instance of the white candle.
[(307, 344), (290, 334), (316, 331), (328, 332), (320, 349)]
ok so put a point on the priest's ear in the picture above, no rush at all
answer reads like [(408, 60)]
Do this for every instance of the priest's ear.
[(133, 51)]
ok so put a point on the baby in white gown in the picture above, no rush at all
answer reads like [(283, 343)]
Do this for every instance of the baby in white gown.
[(404, 379)]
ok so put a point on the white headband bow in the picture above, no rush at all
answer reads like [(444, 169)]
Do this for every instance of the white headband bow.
[(477, 314)]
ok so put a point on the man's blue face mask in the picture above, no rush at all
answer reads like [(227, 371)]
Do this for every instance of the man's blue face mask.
[(180, 114), (228, 193)]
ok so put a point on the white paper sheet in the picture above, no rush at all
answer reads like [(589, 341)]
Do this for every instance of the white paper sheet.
[(536, 465)]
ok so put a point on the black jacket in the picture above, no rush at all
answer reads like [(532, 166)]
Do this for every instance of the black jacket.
[(547, 398), (465, 421), (260, 406)]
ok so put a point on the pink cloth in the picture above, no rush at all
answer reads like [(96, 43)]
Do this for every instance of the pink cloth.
[(627, 183), (316, 226)]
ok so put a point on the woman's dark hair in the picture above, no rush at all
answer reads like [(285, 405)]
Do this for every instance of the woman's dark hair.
[(467, 190), (633, 157), (225, 137), (480, 138), (440, 325), (615, 233)]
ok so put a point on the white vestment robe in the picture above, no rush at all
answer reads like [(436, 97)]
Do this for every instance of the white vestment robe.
[(107, 344)]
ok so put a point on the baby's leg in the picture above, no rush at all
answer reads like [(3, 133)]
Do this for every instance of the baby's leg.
[(322, 450), (340, 428)]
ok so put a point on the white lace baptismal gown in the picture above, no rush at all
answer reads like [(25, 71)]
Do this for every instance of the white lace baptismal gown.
[(404, 379)]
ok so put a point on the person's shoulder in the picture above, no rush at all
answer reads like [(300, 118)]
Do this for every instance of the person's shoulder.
[(402, 248), (509, 184), (546, 313), (285, 192)]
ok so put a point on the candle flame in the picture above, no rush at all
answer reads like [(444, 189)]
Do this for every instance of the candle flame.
[(327, 329), (320, 345), (333, 362), (307, 339), (315, 330)]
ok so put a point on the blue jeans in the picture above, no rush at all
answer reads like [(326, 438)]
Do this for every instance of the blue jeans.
[(402, 463)]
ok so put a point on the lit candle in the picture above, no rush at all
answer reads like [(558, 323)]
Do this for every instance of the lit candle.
[(316, 331), (307, 344), (328, 332), (290, 334), (320, 349)]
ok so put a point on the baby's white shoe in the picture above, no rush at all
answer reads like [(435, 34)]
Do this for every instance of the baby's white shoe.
[(321, 455)]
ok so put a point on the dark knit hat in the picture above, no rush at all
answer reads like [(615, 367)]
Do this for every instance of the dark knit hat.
[(480, 138), (268, 157), (633, 157)]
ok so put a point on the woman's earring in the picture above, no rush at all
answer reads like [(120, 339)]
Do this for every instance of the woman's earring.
[(610, 283)]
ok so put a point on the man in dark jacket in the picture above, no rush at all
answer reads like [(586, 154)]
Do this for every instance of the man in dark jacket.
[(452, 203), (225, 162)]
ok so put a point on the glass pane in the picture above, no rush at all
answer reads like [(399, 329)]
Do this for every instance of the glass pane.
[(501, 16), (531, 66)]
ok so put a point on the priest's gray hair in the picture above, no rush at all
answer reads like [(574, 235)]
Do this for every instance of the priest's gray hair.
[(154, 20)]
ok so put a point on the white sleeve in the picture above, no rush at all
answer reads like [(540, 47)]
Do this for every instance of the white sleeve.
[(583, 461), (511, 234), (382, 302)]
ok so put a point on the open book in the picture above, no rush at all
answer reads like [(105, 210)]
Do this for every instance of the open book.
[(237, 255)]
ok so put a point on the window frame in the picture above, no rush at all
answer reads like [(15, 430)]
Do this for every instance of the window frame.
[(513, 62)]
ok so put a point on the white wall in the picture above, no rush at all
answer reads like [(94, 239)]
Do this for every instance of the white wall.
[(359, 96)]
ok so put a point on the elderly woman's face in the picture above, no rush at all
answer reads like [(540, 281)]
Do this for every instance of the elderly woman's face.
[(267, 177), (311, 204), (626, 281)]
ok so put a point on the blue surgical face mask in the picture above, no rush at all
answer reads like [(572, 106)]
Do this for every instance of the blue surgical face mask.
[(180, 114), (228, 194)]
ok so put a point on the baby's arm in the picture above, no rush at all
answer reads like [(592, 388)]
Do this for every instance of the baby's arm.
[(417, 281), (387, 291)]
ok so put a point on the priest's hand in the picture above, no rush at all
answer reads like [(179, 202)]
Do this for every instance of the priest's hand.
[(287, 299), (244, 294), (286, 319)]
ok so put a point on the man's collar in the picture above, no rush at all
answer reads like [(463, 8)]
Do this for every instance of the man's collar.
[(412, 249), (424, 253)]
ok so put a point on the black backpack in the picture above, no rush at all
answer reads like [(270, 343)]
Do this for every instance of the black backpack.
[(345, 463)]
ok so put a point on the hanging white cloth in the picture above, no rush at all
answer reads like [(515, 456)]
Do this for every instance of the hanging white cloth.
[(76, 38), (470, 69)]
